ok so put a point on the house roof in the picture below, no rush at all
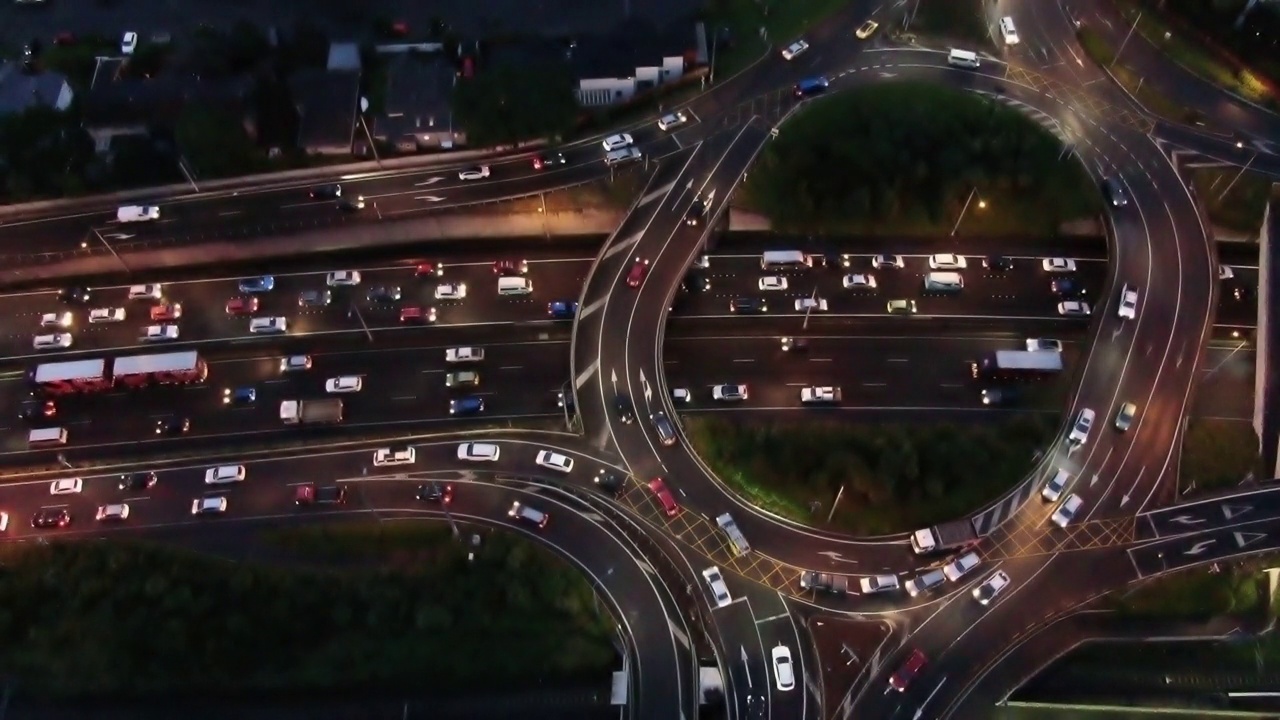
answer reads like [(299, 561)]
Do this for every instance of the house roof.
[(326, 102), (343, 56), (419, 94), (632, 44), (19, 91), (156, 101)]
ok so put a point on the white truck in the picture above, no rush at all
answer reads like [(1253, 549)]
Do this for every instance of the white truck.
[(311, 412), (137, 213)]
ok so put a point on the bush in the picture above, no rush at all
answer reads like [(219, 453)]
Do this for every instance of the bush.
[(504, 104), (1218, 454)]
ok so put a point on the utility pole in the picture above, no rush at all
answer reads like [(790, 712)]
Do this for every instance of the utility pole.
[(1126, 40)]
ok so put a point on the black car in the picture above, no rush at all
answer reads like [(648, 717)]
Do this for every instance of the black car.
[(51, 517), (999, 263), (30, 55), (746, 305), (608, 482), (173, 426), (37, 410), (137, 481), (74, 295), (435, 492), (327, 191), (695, 282), (384, 294), (1000, 396), (1069, 288), (626, 411), (548, 159), (697, 212), (1114, 190), (1241, 293), (351, 204), (565, 400)]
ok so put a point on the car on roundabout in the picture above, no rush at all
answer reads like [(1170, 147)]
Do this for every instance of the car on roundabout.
[(794, 50), (672, 120), (866, 29)]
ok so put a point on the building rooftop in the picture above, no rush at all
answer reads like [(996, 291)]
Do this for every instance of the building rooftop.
[(19, 91), (419, 95), (632, 44), (156, 101), (326, 102), (343, 56)]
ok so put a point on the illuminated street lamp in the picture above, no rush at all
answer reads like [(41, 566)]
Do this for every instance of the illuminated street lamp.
[(982, 204)]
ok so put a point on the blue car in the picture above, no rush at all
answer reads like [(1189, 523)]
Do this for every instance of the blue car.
[(469, 405), (239, 396), (266, 283), (562, 309)]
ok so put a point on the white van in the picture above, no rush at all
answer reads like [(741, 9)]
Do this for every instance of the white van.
[(944, 282), (264, 325), (137, 213), (150, 291), (56, 341), (47, 437), (963, 58), (514, 286)]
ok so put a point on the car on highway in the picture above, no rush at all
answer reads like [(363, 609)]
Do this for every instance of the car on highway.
[(35, 410), (451, 291), (343, 278), (479, 452), (961, 566), (75, 295), (1125, 415), (344, 384), (866, 30), (106, 315), (824, 582), (417, 314), (823, 395), (56, 319), (428, 269), (238, 306), (138, 481), (608, 482), (403, 455), (617, 142), (545, 160), (772, 283), (326, 192), (477, 172), (748, 306), (719, 590), (1066, 512), (997, 396), (295, 363), (351, 204), (462, 378), (947, 261), (464, 355), (214, 505), (239, 396), (66, 486), (991, 587), (311, 494), (384, 294), (159, 333), (554, 461), (562, 309), (435, 492), (672, 120), (56, 341), (729, 393), (658, 486), (695, 281), (859, 281), (260, 284), (524, 513), (1054, 488), (173, 426), (510, 268), (1128, 302), (874, 584), (566, 401), (639, 269), (794, 50), (997, 263), (1074, 308), (901, 678), (469, 405), (51, 518), (811, 304), (1008, 31), (314, 298), (129, 43), (623, 406), (1058, 265), (1114, 192), (784, 673), (224, 474), (696, 213), (663, 426), (1080, 428), (901, 307), (681, 396), (166, 311), (1044, 344), (1068, 288)]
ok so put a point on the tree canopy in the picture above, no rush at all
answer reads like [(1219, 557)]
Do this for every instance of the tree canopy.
[(505, 104)]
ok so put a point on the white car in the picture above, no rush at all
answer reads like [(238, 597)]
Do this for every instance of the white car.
[(1056, 485), (718, 587), (451, 291), (784, 673), (1008, 31), (1044, 344), (811, 304), (859, 281), (394, 456), (681, 395), (209, 505), (617, 142), (344, 384), (792, 51), (991, 587), (729, 393), (1128, 302), (878, 584), (773, 282), (159, 333), (947, 261), (55, 341), (342, 278), (149, 291), (1225, 272), (1080, 429), (892, 262), (106, 315), (555, 461), (56, 319), (961, 566), (1074, 308), (129, 43), (114, 511), (818, 395), (66, 486), (224, 474), (1066, 512), (478, 172), (479, 452), (463, 355), (1058, 265), (672, 120)]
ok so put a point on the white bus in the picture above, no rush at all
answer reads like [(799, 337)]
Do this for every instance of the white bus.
[(783, 259)]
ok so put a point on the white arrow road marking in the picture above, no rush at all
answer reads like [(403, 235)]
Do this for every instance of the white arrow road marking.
[(428, 181), (837, 557), (1093, 480), (648, 391), (429, 198), (1199, 547), (119, 236), (1187, 520), (1243, 539), (1124, 500), (1234, 511), (613, 378), (747, 666)]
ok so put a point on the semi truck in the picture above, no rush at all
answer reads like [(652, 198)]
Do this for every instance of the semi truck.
[(311, 412), (945, 537)]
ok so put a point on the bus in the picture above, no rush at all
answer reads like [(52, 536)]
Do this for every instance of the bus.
[(785, 260), (74, 376), (1017, 365), (172, 368)]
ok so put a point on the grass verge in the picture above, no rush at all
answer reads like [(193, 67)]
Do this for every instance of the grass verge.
[(115, 620), (736, 26), (1235, 201), (1218, 454), (953, 20), (1104, 55), (894, 478), (1197, 594), (617, 194)]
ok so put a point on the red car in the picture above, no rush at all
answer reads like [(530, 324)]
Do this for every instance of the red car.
[(429, 269), (64, 38), (668, 501), (168, 311), (638, 271), (546, 160), (903, 676), (509, 268), (242, 306), (415, 314)]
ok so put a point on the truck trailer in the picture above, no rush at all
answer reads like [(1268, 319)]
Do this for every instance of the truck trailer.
[(311, 412)]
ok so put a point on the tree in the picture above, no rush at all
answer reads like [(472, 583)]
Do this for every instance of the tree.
[(506, 104), (214, 143)]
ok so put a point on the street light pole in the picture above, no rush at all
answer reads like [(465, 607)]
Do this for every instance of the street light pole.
[(1126, 40), (1237, 177), (112, 250), (355, 309), (809, 308), (963, 210)]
